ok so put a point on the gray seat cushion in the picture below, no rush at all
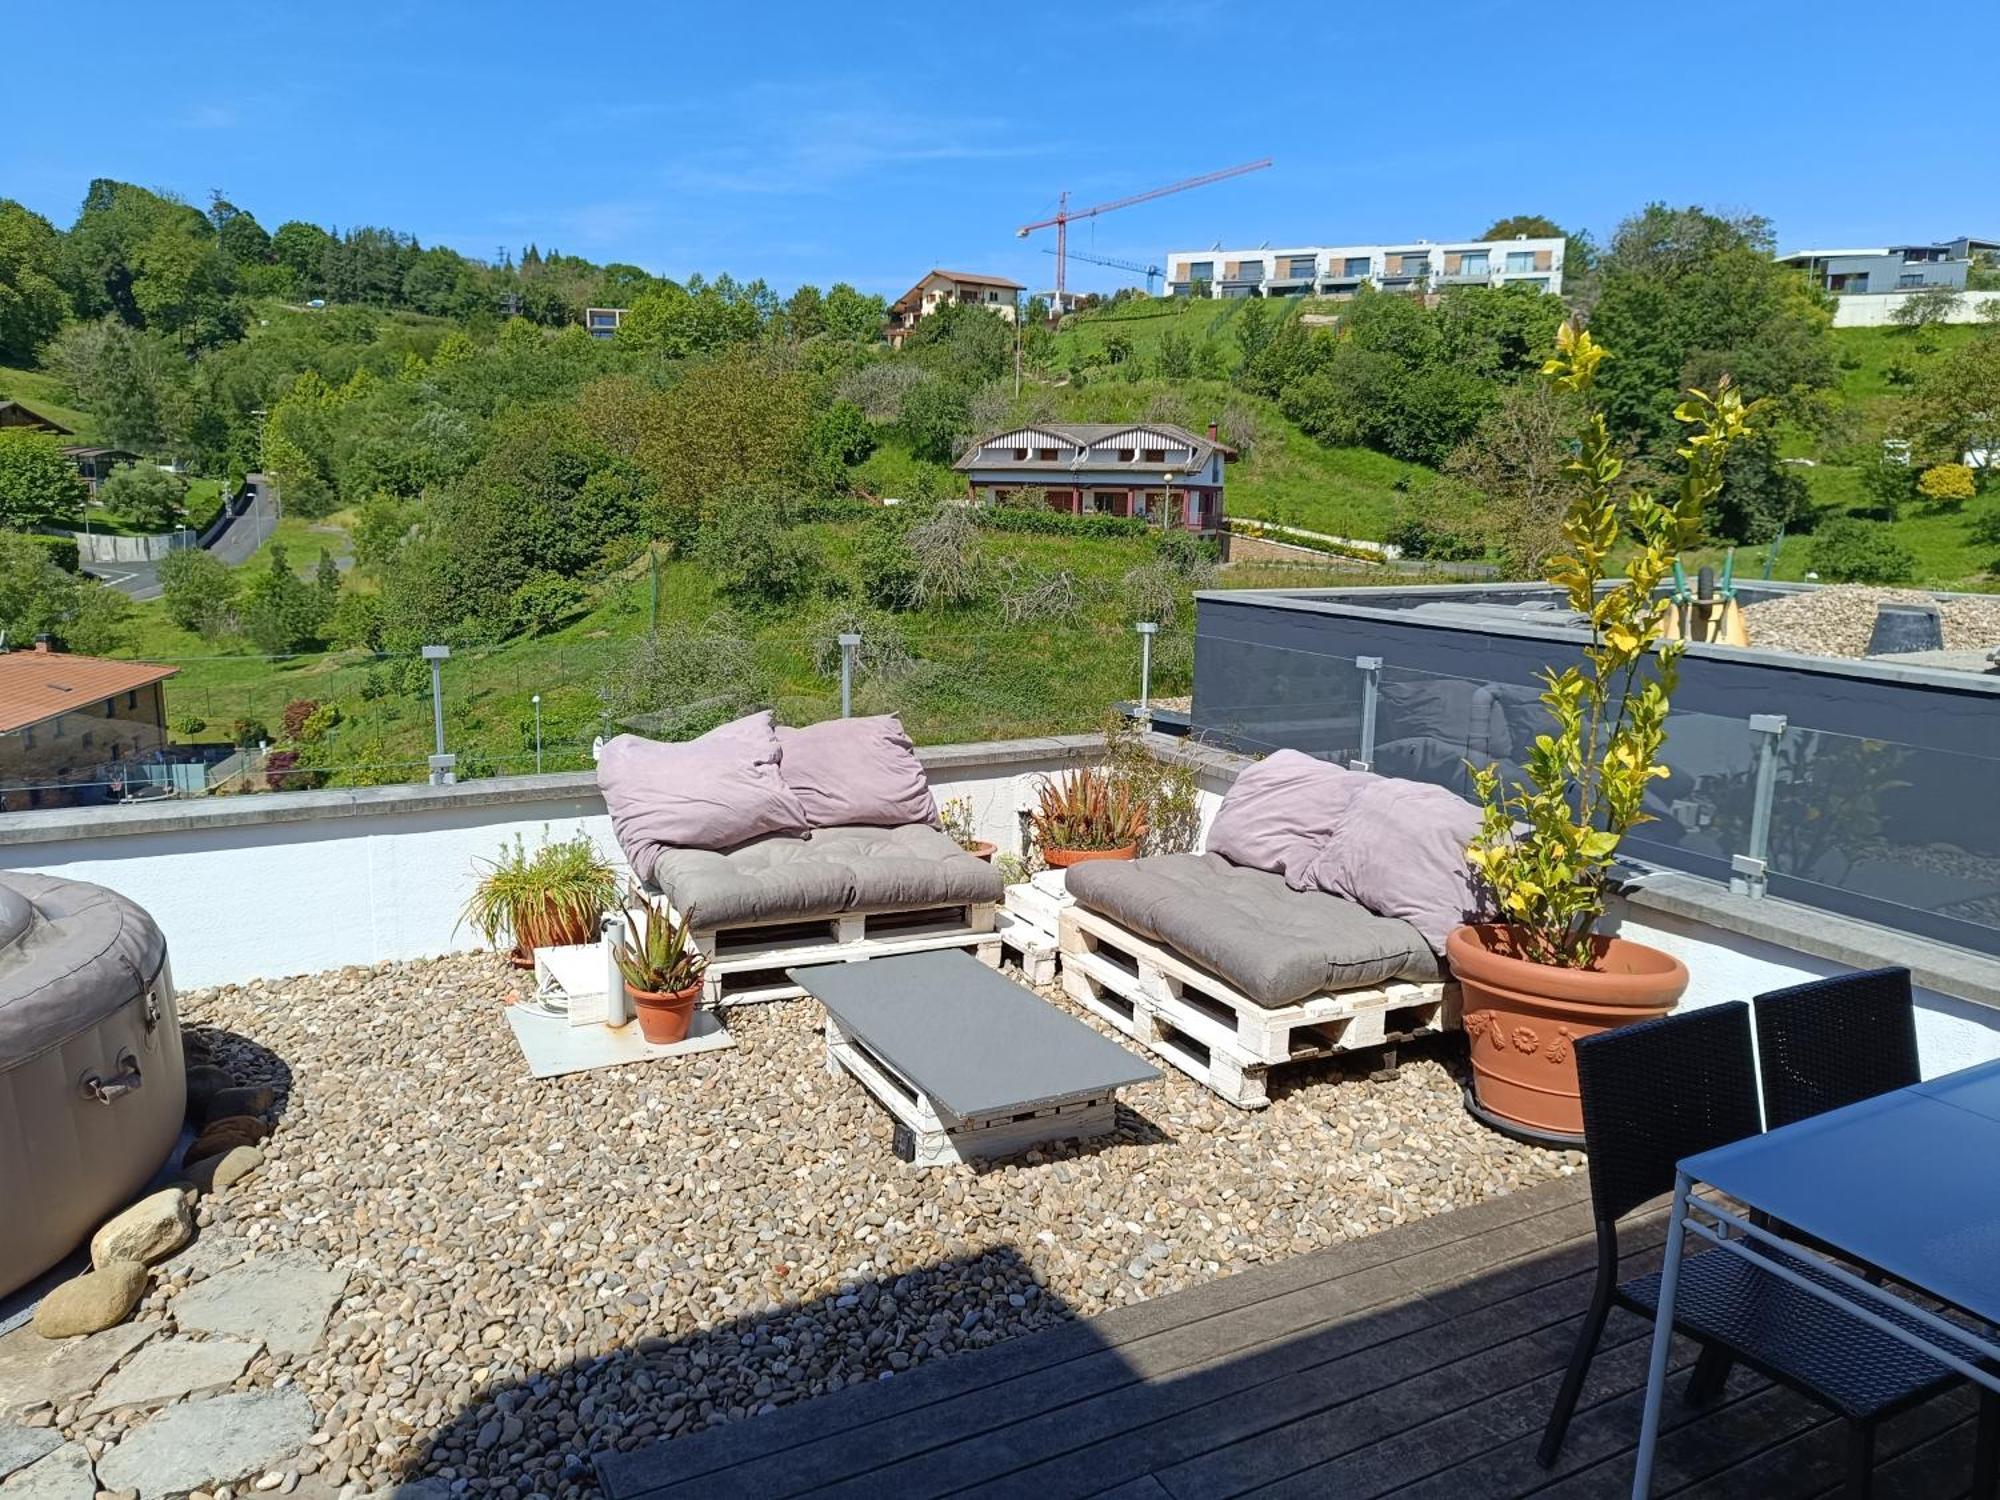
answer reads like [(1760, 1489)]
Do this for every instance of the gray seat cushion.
[(826, 873), (1274, 944)]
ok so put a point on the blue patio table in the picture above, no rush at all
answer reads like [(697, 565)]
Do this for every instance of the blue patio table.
[(1906, 1182)]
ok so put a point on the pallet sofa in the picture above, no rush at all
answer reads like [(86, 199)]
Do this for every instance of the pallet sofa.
[(1312, 925), (796, 846)]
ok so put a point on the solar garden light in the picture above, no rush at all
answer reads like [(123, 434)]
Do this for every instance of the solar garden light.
[(1147, 630), (849, 640), (442, 772)]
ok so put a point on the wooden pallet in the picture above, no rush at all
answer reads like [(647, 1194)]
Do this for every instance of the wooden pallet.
[(1029, 922), (1215, 1034), (927, 1136), (748, 963)]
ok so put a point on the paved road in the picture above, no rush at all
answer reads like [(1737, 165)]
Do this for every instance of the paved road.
[(238, 540)]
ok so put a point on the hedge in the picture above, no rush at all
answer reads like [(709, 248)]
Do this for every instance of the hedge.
[(1056, 523), (62, 550)]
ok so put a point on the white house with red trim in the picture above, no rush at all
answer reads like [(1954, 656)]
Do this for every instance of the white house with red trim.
[(1154, 470)]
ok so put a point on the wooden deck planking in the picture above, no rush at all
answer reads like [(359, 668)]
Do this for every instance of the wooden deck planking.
[(1417, 1363)]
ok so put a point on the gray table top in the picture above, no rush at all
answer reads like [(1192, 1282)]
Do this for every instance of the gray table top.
[(1905, 1181), (976, 1043)]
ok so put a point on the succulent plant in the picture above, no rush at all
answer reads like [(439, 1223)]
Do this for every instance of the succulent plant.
[(1087, 809)]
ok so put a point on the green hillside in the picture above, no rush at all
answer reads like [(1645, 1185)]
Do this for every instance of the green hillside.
[(42, 392)]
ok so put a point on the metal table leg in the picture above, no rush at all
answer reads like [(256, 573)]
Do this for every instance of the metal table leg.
[(1663, 1339)]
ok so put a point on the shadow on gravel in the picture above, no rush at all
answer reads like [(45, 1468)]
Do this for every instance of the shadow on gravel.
[(555, 1432), (248, 1062)]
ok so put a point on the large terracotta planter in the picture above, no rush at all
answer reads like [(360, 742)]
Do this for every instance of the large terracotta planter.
[(546, 929), (664, 1018), (1062, 859), (981, 849), (1523, 1020)]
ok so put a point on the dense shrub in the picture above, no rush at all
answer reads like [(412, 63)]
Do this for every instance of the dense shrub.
[(546, 602), (754, 558), (1851, 551), (145, 495), (1948, 484), (1055, 523), (296, 713)]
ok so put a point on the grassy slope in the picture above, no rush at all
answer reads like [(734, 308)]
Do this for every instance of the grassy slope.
[(33, 388), (1946, 555)]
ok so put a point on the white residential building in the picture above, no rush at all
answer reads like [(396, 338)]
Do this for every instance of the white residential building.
[(938, 287), (1342, 270)]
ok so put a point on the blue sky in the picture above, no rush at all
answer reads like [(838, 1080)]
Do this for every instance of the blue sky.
[(867, 142)]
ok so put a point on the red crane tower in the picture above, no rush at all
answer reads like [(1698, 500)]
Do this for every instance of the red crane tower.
[(1064, 213)]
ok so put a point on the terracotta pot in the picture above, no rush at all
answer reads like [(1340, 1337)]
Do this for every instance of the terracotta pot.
[(664, 1018), (544, 929), (1523, 1019), (981, 849), (1062, 859)]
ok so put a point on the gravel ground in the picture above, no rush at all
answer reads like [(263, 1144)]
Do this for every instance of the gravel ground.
[(544, 1270), (1837, 620)]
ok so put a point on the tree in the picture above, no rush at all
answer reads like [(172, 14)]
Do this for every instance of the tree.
[(853, 316), (33, 303), (1850, 551), (37, 595), (1956, 407), (1176, 356), (136, 384), (678, 321), (805, 313), (199, 592), (39, 486), (1687, 295), (755, 559), (282, 613), (1519, 461), (302, 249), (146, 495), (1523, 226), (936, 415), (740, 419), (1761, 494), (1927, 308)]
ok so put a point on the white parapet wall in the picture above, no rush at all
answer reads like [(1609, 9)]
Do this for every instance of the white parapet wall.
[(259, 887), (1878, 309)]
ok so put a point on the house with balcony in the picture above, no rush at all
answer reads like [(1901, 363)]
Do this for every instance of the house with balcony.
[(937, 288), (1342, 270), (1893, 268), (602, 322), (1155, 471)]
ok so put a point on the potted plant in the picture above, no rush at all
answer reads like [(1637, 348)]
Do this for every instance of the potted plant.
[(1087, 815), (1540, 976), (555, 896), (957, 817), (662, 969)]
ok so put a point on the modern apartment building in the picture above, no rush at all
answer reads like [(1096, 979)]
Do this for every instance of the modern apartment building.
[(1342, 270), (1893, 268), (939, 287), (602, 322)]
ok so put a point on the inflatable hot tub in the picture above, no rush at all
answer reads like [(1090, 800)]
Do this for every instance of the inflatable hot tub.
[(92, 1085)]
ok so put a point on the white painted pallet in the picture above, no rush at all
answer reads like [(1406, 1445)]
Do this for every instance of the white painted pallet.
[(927, 1136), (1029, 922), (1215, 1034), (748, 963)]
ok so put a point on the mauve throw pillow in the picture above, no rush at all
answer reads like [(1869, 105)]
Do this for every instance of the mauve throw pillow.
[(856, 772), (1398, 849), (1280, 813), (710, 793)]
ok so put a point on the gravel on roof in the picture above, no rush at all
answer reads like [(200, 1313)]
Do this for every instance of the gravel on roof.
[(1837, 619)]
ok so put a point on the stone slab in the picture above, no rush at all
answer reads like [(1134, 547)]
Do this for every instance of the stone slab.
[(214, 1251), (201, 1444), (175, 1368), (21, 1446), (35, 1371), (64, 1474), (282, 1300)]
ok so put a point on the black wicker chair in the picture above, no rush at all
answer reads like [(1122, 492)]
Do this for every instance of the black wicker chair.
[(1833, 1042), (1662, 1090)]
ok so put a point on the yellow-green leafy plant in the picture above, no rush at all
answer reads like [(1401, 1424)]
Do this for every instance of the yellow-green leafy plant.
[(1545, 847)]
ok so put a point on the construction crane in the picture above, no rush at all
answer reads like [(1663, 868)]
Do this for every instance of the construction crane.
[(1151, 273), (1064, 213)]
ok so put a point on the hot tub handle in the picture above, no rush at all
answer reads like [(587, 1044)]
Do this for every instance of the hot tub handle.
[(108, 1091)]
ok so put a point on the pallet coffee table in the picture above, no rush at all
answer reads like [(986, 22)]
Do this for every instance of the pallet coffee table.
[(969, 1063)]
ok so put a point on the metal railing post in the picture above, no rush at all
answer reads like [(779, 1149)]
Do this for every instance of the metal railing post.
[(1370, 668), (442, 765), (849, 640), (1147, 630), (1749, 872)]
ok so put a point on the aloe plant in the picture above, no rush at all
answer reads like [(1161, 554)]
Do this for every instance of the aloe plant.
[(1087, 810), (657, 955)]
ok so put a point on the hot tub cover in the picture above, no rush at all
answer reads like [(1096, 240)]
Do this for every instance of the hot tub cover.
[(71, 954)]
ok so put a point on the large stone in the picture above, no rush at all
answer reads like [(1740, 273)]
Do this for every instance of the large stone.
[(94, 1301), (201, 1444), (174, 1368), (150, 1230), (64, 1474), (283, 1299), (214, 1173), (35, 1372), (226, 1134), (204, 1082), (21, 1446), (250, 1099)]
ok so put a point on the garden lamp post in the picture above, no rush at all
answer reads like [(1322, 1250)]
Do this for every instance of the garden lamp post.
[(538, 734), (441, 763), (1147, 630), (1167, 506)]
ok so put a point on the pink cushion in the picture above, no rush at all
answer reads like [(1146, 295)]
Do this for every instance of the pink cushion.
[(1398, 849), (1280, 812), (856, 773), (711, 793)]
